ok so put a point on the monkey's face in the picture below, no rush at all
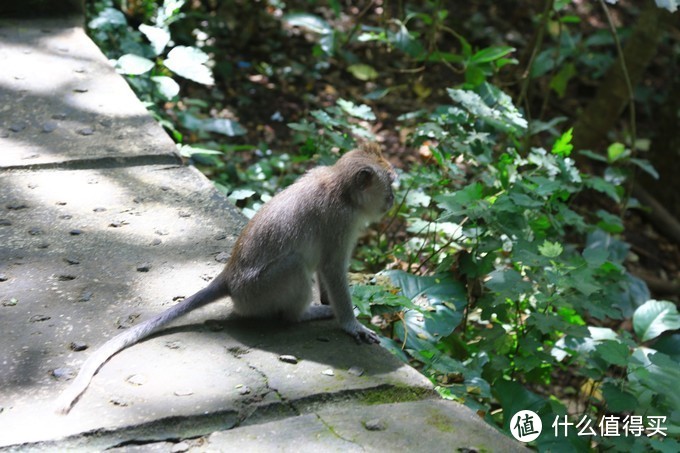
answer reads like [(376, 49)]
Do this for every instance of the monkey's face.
[(370, 185), (378, 192)]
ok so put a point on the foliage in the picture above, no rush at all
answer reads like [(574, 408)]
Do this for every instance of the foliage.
[(502, 287), (513, 293)]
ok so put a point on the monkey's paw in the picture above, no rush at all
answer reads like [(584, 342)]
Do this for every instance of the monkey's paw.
[(363, 334)]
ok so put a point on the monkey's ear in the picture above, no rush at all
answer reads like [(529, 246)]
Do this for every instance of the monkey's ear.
[(364, 178)]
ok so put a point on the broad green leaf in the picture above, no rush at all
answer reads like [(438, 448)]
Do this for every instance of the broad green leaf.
[(609, 223), (670, 345), (189, 62), (508, 283), (363, 72), (605, 187), (377, 94), (166, 86), (595, 257), (616, 151), (130, 64), (158, 37), (613, 352), (109, 16), (618, 400), (418, 198), (655, 371), (362, 111), (403, 41), (492, 105), (241, 194), (435, 288), (303, 126), (513, 398), (457, 202), (490, 54), (655, 317), (223, 126), (309, 21), (560, 80), (645, 166)]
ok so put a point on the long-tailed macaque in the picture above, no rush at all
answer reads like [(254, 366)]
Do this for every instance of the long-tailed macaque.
[(307, 230)]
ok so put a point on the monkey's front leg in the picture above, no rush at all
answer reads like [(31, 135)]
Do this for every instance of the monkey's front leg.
[(333, 281)]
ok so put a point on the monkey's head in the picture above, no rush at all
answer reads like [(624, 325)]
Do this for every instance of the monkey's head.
[(371, 178)]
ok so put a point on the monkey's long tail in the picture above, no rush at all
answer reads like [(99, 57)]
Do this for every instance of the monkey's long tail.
[(211, 293)]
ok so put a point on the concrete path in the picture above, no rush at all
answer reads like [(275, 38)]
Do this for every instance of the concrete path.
[(100, 226)]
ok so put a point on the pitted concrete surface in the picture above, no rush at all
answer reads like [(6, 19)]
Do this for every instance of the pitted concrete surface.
[(101, 226), (61, 101)]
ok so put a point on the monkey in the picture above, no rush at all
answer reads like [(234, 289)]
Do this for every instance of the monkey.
[(303, 236)]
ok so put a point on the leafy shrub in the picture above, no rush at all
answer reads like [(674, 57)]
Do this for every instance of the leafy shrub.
[(515, 291)]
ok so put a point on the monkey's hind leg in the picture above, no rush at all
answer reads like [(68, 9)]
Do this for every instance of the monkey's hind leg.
[(317, 312), (283, 288)]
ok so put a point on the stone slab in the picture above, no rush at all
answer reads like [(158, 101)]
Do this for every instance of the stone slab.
[(84, 251), (428, 425), (61, 101)]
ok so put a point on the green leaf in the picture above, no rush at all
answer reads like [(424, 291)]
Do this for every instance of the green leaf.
[(491, 105), (457, 202), (613, 352), (363, 72), (377, 94), (490, 54), (669, 345), (158, 37), (616, 151), (513, 398), (645, 166), (655, 317), (595, 257), (560, 80), (609, 223), (362, 111), (604, 186), (190, 151), (189, 62), (108, 17), (166, 86), (223, 126), (617, 399), (404, 41), (309, 21), (594, 156), (507, 283), (241, 194), (563, 146), (657, 372), (550, 249), (130, 64), (435, 288)]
